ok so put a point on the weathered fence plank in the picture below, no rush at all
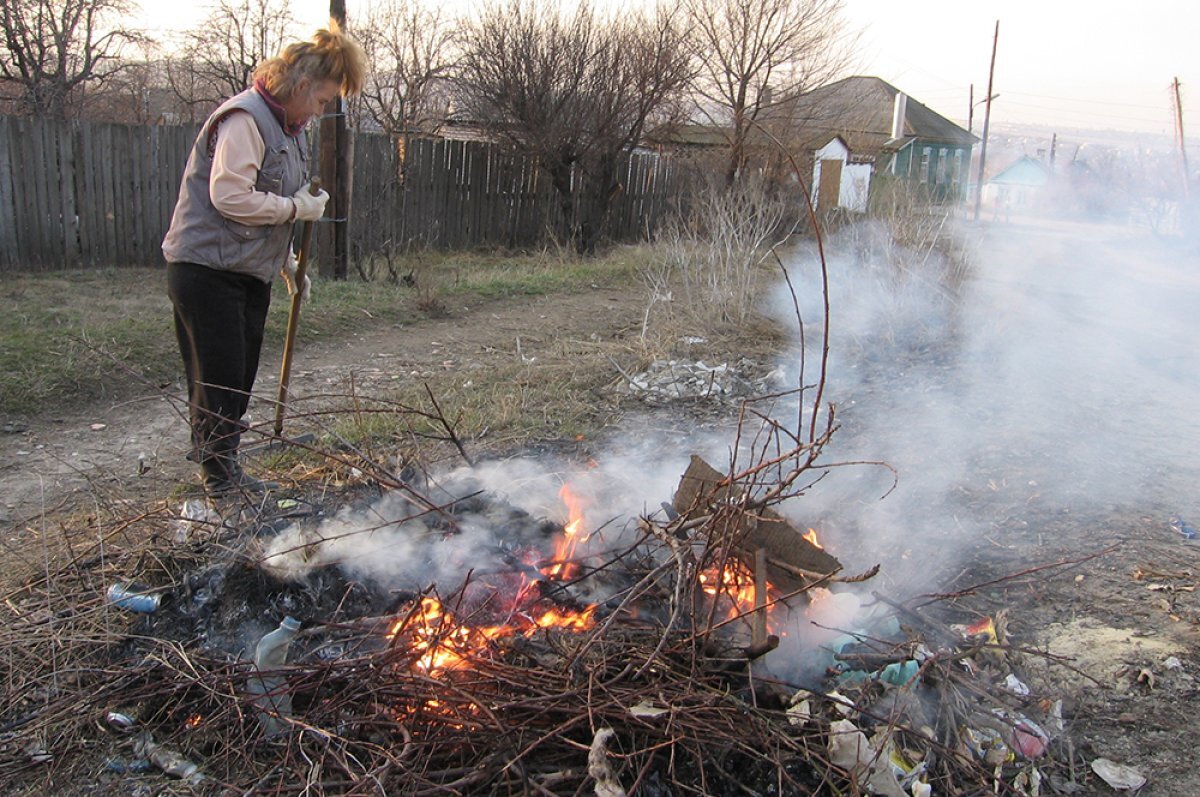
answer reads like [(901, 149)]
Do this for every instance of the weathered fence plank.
[(104, 163), (49, 201), (68, 173), (31, 206), (9, 240), (54, 177)]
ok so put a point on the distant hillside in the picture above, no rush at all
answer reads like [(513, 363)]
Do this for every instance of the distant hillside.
[(1069, 138)]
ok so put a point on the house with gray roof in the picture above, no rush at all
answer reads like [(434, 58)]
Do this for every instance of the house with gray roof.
[(861, 129)]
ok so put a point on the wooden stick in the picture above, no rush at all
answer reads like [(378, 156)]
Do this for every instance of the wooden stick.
[(289, 341), (758, 634)]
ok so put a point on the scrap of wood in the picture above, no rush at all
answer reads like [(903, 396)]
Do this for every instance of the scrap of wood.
[(758, 636), (791, 558), (759, 650)]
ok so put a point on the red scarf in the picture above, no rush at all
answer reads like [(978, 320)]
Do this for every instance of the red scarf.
[(291, 128)]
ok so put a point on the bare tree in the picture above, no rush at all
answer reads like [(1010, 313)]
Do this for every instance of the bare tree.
[(751, 54), (639, 72), (571, 91), (218, 57), (132, 96), (524, 73), (410, 48), (55, 48)]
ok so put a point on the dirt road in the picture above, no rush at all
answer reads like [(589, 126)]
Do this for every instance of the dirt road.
[(136, 447)]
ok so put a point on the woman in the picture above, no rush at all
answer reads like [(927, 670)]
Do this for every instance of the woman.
[(243, 189)]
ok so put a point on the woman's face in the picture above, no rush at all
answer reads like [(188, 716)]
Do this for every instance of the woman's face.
[(310, 99)]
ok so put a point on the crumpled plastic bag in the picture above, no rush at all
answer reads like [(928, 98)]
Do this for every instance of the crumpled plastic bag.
[(849, 748), (1119, 776)]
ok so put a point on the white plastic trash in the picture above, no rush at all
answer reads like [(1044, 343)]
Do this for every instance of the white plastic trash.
[(1119, 776)]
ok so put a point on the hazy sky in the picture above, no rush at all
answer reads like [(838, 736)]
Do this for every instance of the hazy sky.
[(1066, 63), (1061, 62)]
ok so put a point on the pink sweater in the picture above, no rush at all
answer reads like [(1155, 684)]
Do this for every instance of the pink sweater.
[(239, 152)]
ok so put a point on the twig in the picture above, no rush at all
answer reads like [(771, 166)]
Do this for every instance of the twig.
[(940, 596)]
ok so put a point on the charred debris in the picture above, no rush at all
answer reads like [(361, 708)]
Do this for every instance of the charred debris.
[(668, 654)]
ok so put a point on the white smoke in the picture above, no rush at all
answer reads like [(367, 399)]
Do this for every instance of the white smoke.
[(496, 507), (1061, 377)]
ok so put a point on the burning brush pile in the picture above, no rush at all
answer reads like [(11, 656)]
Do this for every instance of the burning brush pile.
[(435, 638)]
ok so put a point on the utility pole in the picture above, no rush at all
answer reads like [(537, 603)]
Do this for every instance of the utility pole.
[(1053, 148), (337, 158), (971, 109), (987, 118), (1187, 181)]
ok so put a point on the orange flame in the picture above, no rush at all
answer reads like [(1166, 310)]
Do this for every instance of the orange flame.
[(193, 722), (573, 533), (735, 583), (442, 643), (811, 536), (439, 642), (577, 621)]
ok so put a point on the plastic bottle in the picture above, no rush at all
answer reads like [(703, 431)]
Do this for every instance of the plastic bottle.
[(271, 654)]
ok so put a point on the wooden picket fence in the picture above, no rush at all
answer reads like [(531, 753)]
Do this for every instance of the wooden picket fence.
[(77, 194), (82, 194)]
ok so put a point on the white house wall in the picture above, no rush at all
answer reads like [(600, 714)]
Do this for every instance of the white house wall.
[(835, 150), (856, 187)]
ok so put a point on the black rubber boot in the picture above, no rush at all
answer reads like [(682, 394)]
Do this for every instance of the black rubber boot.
[(224, 478)]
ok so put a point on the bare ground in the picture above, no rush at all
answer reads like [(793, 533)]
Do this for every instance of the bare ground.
[(138, 445), (1124, 623)]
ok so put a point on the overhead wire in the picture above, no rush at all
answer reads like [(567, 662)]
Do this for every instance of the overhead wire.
[(1165, 118), (1088, 109)]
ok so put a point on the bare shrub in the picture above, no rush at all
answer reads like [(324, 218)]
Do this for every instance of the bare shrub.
[(708, 261), (51, 51), (913, 235), (901, 272), (217, 58), (575, 91), (411, 49)]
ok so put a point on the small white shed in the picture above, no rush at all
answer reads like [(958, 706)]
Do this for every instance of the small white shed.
[(841, 180)]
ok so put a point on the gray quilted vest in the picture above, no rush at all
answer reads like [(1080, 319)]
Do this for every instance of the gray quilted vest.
[(200, 234)]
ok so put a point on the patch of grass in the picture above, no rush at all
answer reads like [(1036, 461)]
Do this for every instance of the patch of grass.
[(499, 277), (73, 337), (336, 309), (492, 408), (79, 336)]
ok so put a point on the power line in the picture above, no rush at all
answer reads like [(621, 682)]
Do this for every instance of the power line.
[(1083, 100), (1098, 114)]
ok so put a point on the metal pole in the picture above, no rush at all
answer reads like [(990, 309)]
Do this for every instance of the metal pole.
[(971, 109), (987, 118), (1179, 133)]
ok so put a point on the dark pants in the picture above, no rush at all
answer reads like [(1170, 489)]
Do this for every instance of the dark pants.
[(219, 320)]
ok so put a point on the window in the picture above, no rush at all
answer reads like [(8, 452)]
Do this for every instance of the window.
[(958, 169), (924, 174), (943, 161)]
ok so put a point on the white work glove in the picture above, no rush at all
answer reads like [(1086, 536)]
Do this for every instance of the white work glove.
[(308, 206), (289, 277)]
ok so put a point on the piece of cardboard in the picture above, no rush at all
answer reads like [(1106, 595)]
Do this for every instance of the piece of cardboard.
[(700, 490)]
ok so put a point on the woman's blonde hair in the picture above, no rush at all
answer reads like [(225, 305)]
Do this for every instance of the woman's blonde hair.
[(331, 55)]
